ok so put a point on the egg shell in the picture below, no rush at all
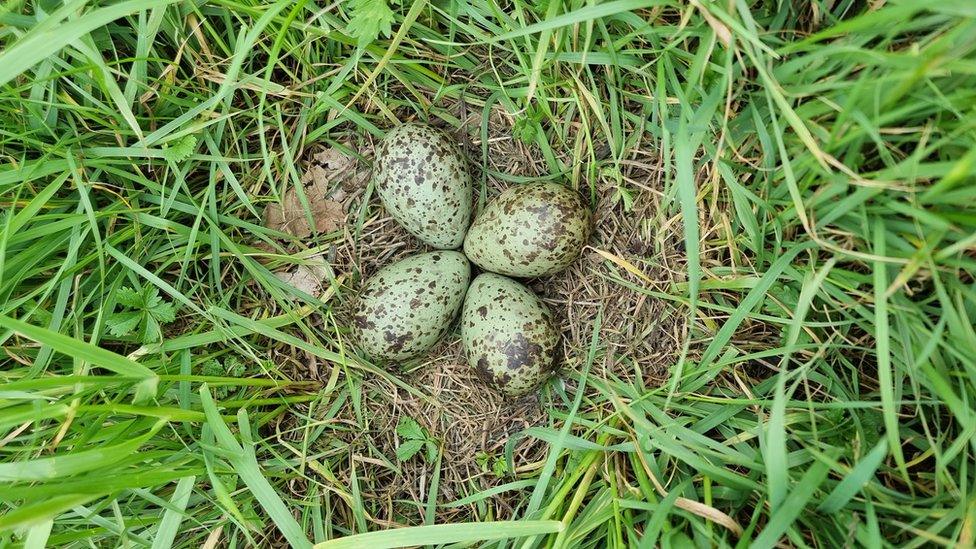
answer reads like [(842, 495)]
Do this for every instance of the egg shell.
[(423, 182), (509, 335), (530, 230), (406, 307)]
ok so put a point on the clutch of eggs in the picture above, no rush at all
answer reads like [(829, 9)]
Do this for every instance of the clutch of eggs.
[(529, 230)]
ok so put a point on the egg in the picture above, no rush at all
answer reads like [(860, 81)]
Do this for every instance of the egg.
[(508, 334), (530, 230), (423, 182), (406, 307)]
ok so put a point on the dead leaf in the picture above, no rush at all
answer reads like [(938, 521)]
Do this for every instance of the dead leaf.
[(333, 160), (327, 168), (310, 278), (266, 248), (214, 538), (290, 217), (304, 279)]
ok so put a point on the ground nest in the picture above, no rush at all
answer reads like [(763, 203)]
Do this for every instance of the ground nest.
[(637, 340)]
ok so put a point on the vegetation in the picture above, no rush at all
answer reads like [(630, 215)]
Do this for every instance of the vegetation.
[(813, 184)]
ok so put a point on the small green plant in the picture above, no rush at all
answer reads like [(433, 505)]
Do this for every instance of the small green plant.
[(146, 313), (369, 18), (621, 193), (231, 366), (488, 462), (414, 438), (181, 149), (526, 125)]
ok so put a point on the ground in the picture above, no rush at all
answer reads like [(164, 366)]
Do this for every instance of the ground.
[(766, 342)]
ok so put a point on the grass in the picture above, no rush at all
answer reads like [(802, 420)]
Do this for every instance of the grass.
[(814, 176)]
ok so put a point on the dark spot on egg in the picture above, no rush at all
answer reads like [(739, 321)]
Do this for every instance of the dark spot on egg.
[(363, 323), (482, 370), (396, 341), (520, 351)]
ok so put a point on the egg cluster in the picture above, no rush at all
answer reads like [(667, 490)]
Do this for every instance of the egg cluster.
[(530, 230)]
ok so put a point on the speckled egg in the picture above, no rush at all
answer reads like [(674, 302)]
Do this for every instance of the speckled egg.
[(509, 334), (529, 230), (423, 182), (407, 306)]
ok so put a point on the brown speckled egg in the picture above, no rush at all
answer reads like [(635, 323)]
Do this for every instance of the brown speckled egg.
[(529, 230), (509, 335), (423, 182), (407, 306)]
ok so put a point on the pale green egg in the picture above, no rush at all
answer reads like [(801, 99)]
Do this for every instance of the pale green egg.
[(509, 335), (406, 307), (530, 230), (423, 181)]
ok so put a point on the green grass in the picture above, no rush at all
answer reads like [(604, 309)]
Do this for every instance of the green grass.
[(822, 164)]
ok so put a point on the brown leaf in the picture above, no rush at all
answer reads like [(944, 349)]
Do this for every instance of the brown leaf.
[(290, 217), (333, 160), (307, 278), (310, 278), (327, 167)]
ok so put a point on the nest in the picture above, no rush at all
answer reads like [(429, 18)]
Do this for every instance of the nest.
[(473, 425)]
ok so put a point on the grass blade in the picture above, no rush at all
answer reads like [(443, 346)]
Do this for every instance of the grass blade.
[(581, 15), (883, 342), (86, 351), (43, 42), (173, 517), (44, 511), (245, 464), (444, 533), (860, 475), (792, 506)]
